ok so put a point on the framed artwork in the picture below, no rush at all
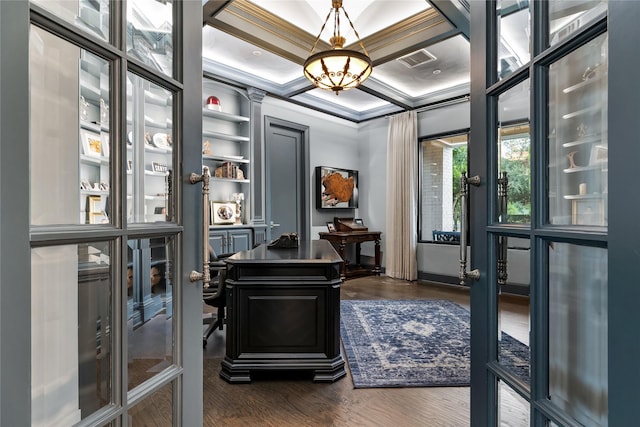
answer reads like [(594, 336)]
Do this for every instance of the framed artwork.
[(358, 221), (223, 212), (331, 227), (336, 188), (599, 154), (91, 143)]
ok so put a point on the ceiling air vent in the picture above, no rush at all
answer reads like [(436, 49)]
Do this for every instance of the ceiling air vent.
[(417, 58)]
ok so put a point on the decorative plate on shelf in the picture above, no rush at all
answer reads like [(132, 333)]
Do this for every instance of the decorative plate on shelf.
[(223, 212), (161, 140)]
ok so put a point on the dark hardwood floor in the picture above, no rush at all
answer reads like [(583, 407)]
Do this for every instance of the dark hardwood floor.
[(297, 401)]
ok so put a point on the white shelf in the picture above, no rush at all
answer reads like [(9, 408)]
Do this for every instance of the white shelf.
[(224, 116), (148, 121), (242, 181), (581, 84), (222, 158), (589, 139), (582, 196), (582, 169), (152, 149), (94, 192), (94, 159), (226, 137), (152, 173), (581, 112)]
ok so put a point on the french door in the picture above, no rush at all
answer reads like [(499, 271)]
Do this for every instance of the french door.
[(554, 67), (102, 229)]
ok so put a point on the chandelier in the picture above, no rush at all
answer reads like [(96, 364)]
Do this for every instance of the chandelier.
[(337, 69)]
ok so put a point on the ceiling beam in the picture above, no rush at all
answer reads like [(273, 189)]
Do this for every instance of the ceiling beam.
[(456, 11), (211, 8)]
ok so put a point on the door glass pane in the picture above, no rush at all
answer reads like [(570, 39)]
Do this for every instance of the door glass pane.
[(577, 136), (514, 315), (149, 151), (69, 145), (578, 313), (71, 332), (150, 33), (513, 35), (150, 307), (513, 410), (155, 410), (568, 16), (514, 164), (91, 16), (443, 161)]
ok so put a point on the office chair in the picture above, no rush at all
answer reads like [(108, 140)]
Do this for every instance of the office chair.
[(214, 294)]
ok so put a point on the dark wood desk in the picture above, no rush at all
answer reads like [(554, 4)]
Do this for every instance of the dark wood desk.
[(283, 312), (340, 240)]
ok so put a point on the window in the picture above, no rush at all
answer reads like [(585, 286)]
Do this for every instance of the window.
[(514, 148), (443, 159)]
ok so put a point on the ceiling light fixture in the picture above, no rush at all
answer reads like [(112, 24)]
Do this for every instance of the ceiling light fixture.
[(337, 69)]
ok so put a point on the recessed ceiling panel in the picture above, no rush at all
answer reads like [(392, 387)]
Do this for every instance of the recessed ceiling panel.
[(450, 68), (354, 99), (225, 49), (263, 44), (368, 16)]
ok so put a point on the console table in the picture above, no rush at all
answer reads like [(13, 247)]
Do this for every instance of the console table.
[(340, 240), (283, 312)]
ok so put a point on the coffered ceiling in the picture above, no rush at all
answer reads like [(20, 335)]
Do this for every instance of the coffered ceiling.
[(419, 49)]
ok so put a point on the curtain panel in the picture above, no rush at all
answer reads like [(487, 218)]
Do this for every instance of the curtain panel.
[(402, 190)]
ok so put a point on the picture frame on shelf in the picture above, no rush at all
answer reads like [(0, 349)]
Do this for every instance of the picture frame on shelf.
[(158, 167), (587, 212), (91, 143), (336, 188), (331, 227), (104, 137), (223, 212), (599, 155), (96, 214), (358, 221)]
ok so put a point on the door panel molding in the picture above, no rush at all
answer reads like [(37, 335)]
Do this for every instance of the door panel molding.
[(272, 127)]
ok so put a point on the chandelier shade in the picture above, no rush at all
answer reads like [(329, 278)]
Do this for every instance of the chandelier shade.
[(337, 69)]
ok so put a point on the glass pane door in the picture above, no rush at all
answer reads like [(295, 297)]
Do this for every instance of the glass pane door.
[(539, 140)]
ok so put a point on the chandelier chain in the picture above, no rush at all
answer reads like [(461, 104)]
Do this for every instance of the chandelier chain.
[(320, 33), (355, 31)]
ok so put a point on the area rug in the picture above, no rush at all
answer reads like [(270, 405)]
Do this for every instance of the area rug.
[(421, 343)]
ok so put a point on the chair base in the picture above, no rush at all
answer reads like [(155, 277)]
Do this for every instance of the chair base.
[(214, 323)]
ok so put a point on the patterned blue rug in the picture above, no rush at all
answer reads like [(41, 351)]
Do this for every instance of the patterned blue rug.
[(421, 343)]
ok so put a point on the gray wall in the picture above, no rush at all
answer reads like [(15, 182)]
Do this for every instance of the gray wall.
[(344, 144), (332, 142)]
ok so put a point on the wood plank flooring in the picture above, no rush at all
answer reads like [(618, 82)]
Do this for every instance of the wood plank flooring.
[(296, 401)]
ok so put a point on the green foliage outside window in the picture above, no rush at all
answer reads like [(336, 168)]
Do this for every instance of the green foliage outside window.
[(515, 161)]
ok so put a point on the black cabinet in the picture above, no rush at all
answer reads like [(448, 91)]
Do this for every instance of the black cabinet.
[(283, 312)]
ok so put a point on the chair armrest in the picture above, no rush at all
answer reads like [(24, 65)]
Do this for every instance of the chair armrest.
[(209, 293)]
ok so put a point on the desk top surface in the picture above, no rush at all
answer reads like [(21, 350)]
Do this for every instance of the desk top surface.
[(314, 251), (324, 234)]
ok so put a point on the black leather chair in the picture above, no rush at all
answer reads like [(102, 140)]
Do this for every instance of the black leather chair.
[(214, 294)]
